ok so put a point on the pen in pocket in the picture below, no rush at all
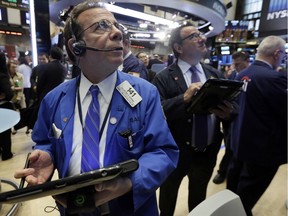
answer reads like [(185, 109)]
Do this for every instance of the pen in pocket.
[(128, 135), (25, 167)]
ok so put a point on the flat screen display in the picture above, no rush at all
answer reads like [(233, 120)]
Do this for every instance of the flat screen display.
[(25, 18), (225, 50), (14, 16), (3, 15)]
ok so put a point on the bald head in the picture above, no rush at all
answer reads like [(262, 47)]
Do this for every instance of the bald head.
[(272, 50)]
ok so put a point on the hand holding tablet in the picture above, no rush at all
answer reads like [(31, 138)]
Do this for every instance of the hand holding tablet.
[(70, 183)]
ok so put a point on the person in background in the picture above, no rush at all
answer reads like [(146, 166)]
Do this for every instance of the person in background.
[(6, 94), (154, 60), (259, 132), (240, 61), (28, 57), (131, 64), (51, 74), (16, 81), (26, 71), (142, 56), (177, 84), (43, 58), (66, 109)]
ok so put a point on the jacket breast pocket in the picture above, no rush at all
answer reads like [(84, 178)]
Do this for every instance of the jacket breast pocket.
[(58, 148), (131, 145)]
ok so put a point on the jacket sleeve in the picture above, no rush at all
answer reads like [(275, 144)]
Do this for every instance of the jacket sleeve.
[(160, 153)]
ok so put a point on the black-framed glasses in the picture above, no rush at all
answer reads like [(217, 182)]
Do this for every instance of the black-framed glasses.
[(195, 35), (144, 56), (104, 26)]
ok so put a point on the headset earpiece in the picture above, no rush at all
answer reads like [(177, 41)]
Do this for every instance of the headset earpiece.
[(79, 47)]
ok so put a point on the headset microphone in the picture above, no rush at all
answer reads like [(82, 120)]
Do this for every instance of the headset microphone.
[(103, 50), (80, 48)]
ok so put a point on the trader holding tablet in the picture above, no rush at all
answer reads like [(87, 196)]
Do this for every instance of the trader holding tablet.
[(198, 136), (100, 118)]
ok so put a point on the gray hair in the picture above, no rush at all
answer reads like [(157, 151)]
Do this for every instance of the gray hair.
[(269, 44)]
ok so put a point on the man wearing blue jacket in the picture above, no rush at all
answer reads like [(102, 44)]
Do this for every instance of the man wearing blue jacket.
[(94, 43), (131, 63)]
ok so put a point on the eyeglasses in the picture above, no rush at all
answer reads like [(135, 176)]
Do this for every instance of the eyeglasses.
[(144, 56), (195, 35), (104, 26)]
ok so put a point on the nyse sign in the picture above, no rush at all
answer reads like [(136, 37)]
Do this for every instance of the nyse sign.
[(274, 17), (277, 9), (277, 15)]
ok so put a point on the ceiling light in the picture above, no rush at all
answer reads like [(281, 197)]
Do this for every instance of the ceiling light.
[(140, 15), (160, 35), (141, 35), (143, 25)]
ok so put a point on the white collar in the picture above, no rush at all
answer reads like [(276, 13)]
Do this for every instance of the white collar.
[(106, 87), (184, 66)]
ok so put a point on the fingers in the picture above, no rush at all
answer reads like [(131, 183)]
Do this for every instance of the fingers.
[(34, 155), (32, 180), (193, 88), (108, 185), (223, 110), (100, 187), (23, 172)]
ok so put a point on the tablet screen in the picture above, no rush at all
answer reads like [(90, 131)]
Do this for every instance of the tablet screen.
[(212, 93)]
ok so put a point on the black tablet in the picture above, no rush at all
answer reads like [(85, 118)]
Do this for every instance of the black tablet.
[(70, 183), (212, 93)]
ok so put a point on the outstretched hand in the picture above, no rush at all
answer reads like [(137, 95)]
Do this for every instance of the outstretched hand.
[(40, 168)]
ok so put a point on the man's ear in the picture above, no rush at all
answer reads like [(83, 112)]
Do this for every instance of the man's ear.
[(177, 47), (70, 43), (125, 42)]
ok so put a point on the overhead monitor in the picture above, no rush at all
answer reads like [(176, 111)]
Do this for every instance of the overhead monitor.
[(3, 15), (14, 16), (225, 50), (25, 18)]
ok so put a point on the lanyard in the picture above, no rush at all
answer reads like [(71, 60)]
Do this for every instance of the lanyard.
[(80, 113)]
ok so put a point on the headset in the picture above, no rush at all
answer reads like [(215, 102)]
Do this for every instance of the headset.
[(79, 46)]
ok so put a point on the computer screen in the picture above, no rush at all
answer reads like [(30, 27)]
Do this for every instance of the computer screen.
[(225, 50)]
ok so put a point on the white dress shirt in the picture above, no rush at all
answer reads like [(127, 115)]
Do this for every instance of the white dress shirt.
[(106, 89)]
